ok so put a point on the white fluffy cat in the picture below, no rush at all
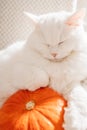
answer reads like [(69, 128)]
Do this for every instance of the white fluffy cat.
[(56, 55)]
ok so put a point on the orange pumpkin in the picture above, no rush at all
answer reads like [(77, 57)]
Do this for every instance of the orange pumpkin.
[(42, 109)]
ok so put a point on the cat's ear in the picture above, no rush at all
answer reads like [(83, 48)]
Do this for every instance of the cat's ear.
[(77, 18), (33, 18)]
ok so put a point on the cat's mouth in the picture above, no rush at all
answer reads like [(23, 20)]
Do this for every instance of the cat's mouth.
[(58, 60), (61, 59)]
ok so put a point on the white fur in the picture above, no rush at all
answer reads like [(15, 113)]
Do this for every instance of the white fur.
[(30, 65)]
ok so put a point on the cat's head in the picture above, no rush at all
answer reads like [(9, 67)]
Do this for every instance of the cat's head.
[(57, 35)]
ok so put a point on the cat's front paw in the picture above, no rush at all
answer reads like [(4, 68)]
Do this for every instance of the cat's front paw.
[(30, 78), (39, 78)]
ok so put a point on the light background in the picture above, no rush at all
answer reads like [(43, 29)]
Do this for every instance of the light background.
[(14, 25)]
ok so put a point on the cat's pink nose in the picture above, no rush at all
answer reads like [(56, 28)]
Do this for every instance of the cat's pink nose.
[(54, 54)]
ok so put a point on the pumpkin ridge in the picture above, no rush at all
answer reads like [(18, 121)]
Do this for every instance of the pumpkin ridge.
[(32, 118), (22, 119), (57, 113), (49, 99), (46, 117), (56, 124)]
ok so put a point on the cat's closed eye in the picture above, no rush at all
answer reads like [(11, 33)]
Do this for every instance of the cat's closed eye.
[(60, 43), (48, 45)]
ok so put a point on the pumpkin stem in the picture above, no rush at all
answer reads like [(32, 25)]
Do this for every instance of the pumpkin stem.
[(30, 105)]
